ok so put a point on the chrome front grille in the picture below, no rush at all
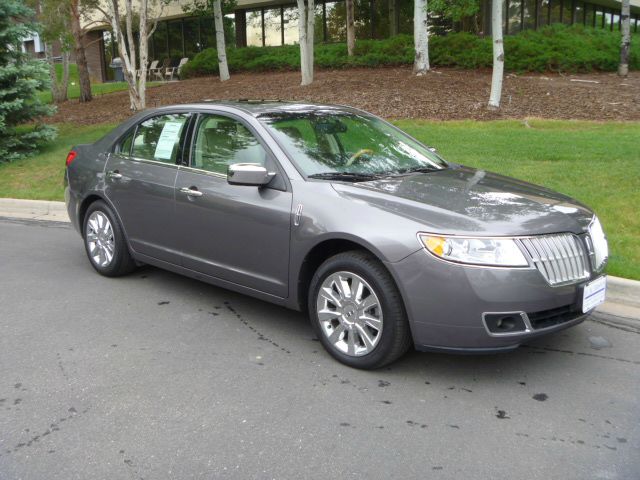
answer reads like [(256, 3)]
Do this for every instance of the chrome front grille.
[(560, 258)]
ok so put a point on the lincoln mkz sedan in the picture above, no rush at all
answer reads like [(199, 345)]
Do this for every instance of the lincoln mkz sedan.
[(333, 211)]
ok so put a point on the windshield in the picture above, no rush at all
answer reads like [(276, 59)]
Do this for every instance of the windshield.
[(330, 143)]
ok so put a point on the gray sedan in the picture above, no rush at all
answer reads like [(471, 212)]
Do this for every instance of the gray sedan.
[(334, 211)]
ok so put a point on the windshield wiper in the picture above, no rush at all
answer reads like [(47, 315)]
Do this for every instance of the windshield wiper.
[(418, 170), (352, 176)]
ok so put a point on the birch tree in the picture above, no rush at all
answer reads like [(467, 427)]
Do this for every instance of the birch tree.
[(351, 29), (498, 55), (420, 37), (134, 54), (306, 24), (623, 68), (221, 48)]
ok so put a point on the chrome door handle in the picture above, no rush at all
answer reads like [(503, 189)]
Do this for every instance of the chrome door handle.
[(115, 175), (191, 192)]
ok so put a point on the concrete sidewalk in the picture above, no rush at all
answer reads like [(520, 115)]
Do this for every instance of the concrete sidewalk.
[(623, 296)]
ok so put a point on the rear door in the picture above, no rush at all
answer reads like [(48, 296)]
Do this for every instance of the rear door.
[(140, 178), (236, 233)]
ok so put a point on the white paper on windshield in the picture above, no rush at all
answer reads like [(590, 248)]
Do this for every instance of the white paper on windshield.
[(168, 138)]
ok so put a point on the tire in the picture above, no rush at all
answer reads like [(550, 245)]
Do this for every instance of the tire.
[(348, 331), (104, 241)]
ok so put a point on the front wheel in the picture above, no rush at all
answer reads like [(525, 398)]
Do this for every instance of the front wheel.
[(105, 243), (357, 312)]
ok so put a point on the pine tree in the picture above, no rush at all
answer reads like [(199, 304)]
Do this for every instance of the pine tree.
[(21, 130)]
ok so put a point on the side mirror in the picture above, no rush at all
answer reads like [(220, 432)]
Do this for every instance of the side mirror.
[(249, 174)]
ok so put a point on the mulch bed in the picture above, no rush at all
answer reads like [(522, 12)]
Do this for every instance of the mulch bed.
[(443, 94)]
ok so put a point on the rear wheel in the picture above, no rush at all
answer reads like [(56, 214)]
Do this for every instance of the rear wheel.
[(357, 311), (105, 243)]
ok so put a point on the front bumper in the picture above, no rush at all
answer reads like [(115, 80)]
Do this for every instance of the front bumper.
[(447, 304)]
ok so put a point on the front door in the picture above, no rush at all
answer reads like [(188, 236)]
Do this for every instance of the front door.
[(236, 233), (140, 178)]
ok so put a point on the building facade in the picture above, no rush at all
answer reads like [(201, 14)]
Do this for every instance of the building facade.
[(265, 23)]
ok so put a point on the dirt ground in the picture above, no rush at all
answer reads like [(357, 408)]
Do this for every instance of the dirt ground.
[(443, 94)]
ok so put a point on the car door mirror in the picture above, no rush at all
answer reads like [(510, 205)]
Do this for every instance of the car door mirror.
[(249, 174)]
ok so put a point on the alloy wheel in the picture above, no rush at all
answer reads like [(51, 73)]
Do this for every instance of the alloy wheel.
[(100, 239), (349, 313)]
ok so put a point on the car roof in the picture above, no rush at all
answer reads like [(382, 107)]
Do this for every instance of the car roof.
[(259, 108)]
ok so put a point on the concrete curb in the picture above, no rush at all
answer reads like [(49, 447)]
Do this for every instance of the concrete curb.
[(623, 295), (34, 209)]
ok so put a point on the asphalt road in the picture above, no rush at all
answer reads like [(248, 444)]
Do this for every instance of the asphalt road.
[(158, 376)]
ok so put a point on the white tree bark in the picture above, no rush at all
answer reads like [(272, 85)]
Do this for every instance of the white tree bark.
[(420, 37), (59, 89), (306, 24), (623, 68), (128, 50), (498, 54), (351, 28), (220, 45)]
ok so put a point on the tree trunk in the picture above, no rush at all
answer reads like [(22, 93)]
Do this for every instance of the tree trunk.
[(58, 88), (81, 58), (220, 45), (393, 18), (420, 37), (305, 29), (351, 29), (498, 55), (623, 68)]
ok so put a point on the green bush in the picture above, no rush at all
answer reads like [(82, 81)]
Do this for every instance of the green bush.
[(553, 48)]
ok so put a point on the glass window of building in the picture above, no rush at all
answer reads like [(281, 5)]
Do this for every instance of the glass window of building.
[(207, 33), (272, 27), (291, 19), (192, 44), (336, 22), (566, 11), (175, 39), (579, 13), (555, 11), (160, 50), (529, 14), (514, 12), (318, 28), (543, 13), (254, 28)]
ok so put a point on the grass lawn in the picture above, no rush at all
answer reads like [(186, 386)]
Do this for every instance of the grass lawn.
[(96, 88), (596, 163)]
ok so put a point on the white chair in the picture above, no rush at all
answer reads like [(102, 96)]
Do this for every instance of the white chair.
[(171, 71), (152, 68)]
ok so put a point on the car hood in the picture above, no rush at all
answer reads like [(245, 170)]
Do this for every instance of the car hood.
[(463, 200)]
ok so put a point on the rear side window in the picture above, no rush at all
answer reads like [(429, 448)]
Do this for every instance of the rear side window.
[(158, 138)]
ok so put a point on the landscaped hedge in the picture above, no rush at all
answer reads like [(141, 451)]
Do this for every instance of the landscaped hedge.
[(552, 48)]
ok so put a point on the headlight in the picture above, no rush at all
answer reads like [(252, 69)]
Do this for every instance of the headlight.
[(502, 252), (599, 240)]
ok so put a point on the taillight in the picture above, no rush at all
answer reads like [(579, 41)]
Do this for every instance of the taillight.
[(71, 156)]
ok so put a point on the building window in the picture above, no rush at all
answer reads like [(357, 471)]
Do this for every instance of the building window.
[(160, 47), (290, 23), (515, 16), (272, 27), (543, 13), (336, 22), (254, 28), (579, 14), (176, 49), (529, 14), (192, 42)]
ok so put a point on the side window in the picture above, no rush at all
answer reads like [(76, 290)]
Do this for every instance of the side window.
[(158, 138), (124, 147), (221, 141)]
